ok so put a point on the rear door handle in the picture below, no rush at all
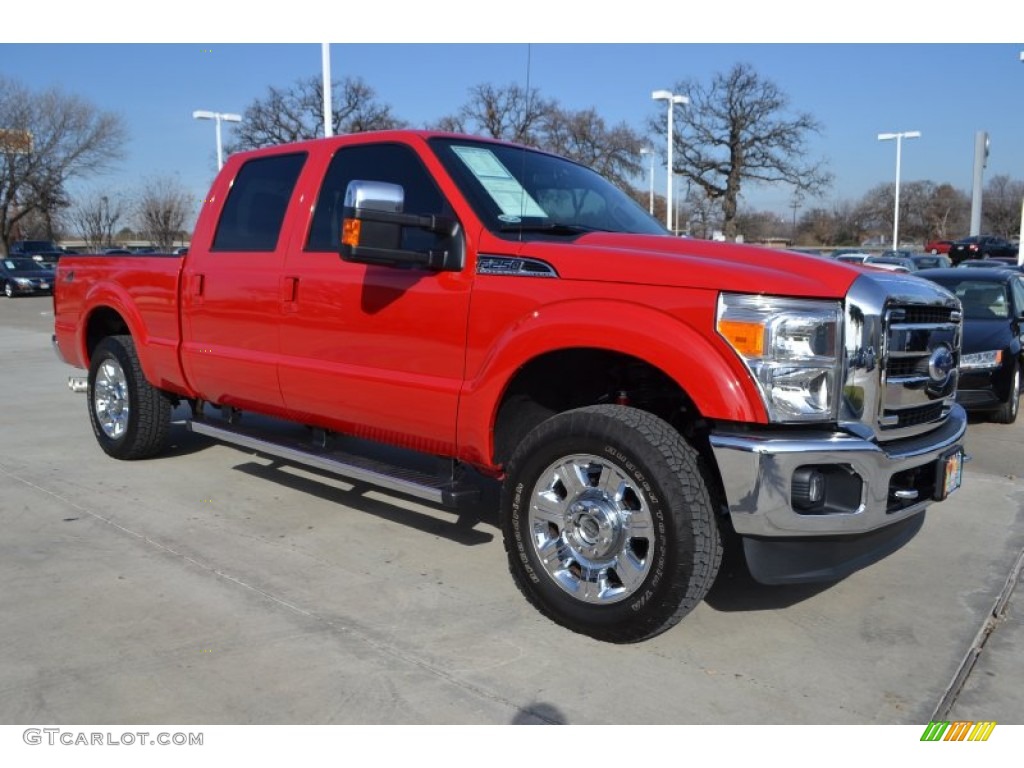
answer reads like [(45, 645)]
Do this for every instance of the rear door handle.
[(198, 284), (289, 294)]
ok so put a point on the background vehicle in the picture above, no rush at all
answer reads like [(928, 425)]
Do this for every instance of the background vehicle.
[(931, 261), (852, 257), (43, 251), (981, 247), (641, 397), (991, 358), (996, 262), (894, 263), (937, 246), (21, 275)]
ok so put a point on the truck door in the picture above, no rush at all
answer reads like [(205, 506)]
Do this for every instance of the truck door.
[(231, 290), (370, 350)]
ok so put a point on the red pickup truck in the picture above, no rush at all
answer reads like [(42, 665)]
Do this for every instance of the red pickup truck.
[(639, 395)]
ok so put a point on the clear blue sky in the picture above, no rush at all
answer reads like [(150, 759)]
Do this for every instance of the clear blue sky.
[(855, 90)]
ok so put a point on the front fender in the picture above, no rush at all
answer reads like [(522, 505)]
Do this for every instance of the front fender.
[(695, 358)]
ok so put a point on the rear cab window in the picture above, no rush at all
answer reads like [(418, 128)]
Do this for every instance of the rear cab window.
[(255, 208)]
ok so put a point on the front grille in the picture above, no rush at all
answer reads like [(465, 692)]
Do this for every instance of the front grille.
[(914, 315), (920, 342), (907, 366), (924, 414)]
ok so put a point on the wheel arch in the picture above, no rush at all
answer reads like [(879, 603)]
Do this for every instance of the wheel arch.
[(568, 356)]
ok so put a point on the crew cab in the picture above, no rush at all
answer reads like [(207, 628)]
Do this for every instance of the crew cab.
[(642, 398)]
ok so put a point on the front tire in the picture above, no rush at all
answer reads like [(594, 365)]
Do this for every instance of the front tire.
[(130, 417), (8, 290), (1007, 413), (608, 523)]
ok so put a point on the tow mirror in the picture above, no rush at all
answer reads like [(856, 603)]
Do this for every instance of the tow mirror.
[(373, 223)]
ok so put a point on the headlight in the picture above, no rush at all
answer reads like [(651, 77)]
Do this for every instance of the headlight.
[(981, 360), (23, 281), (792, 348)]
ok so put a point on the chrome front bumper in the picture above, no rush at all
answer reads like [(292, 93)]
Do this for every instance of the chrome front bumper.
[(757, 473)]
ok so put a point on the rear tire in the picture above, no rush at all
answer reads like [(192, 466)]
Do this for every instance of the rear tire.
[(608, 523), (8, 290), (130, 417)]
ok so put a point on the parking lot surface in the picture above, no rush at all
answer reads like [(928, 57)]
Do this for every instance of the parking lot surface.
[(212, 585)]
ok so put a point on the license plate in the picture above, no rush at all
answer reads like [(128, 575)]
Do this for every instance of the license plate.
[(951, 470), (44, 286)]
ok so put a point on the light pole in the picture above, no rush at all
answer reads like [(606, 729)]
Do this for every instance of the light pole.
[(672, 99), (649, 151), (105, 224), (203, 114), (899, 142), (1020, 249)]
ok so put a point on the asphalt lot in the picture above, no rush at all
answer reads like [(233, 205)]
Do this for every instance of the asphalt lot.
[(215, 586)]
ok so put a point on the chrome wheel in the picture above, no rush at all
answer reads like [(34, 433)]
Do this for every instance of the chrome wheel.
[(591, 528), (110, 399)]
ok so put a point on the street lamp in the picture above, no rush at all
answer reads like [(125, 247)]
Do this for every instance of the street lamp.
[(202, 114), (649, 151), (672, 99), (899, 142), (1020, 249)]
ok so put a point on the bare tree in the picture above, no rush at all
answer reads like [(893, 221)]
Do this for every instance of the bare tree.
[(737, 130), (94, 217), (292, 114), (583, 136), (163, 208), (509, 112), (1001, 205), (46, 140)]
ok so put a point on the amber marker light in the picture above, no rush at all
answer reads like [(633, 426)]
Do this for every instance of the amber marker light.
[(350, 232), (746, 338)]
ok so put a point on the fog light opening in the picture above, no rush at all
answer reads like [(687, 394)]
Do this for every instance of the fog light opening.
[(808, 489)]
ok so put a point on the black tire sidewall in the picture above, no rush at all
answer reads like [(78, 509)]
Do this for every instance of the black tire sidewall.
[(114, 348), (665, 586)]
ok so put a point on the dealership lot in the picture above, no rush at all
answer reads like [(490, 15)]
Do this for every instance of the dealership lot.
[(216, 586)]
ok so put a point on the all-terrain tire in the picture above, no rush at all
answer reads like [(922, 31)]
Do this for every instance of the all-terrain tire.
[(608, 523), (130, 417)]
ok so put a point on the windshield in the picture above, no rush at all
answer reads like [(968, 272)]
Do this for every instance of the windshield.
[(518, 191), (21, 265), (981, 299)]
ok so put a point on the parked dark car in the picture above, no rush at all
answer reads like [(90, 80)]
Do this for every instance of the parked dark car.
[(21, 275), (931, 261), (981, 247), (991, 358), (996, 262)]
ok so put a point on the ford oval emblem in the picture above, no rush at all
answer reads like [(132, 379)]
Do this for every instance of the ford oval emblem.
[(940, 363)]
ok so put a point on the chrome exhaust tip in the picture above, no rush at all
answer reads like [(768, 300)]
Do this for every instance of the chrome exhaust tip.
[(78, 384)]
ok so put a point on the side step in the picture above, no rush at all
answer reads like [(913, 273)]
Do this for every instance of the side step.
[(448, 492)]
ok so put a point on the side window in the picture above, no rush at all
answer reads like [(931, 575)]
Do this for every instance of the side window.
[(392, 163), (1018, 296), (255, 208)]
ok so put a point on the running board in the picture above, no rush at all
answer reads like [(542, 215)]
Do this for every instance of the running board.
[(448, 492)]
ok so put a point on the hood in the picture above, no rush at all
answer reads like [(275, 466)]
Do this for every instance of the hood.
[(986, 335), (684, 263)]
